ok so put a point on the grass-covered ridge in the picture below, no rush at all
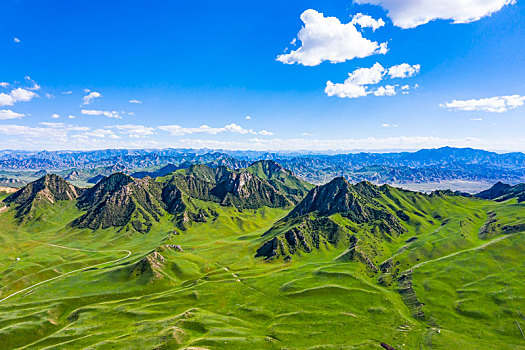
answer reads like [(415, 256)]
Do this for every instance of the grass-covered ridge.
[(370, 264)]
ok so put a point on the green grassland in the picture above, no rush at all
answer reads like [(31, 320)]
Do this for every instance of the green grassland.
[(452, 280)]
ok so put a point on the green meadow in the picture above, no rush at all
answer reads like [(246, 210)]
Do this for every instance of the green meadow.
[(457, 284)]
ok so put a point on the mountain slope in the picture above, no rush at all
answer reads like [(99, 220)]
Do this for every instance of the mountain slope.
[(242, 189), (45, 191), (119, 200), (331, 215), (501, 192)]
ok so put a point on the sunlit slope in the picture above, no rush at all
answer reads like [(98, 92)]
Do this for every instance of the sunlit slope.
[(414, 271)]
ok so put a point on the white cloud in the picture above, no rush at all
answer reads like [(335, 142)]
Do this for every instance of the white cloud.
[(476, 119), (9, 114), (248, 117), (327, 39), (357, 83), (412, 13), (4, 84), (55, 116), (16, 40), (38, 133), (496, 104), (135, 101), (177, 130), (109, 114), (91, 97), (16, 95), (67, 92), (403, 70), (386, 125), (35, 86), (53, 125), (97, 133), (49, 96), (71, 117), (387, 90), (366, 21), (134, 131)]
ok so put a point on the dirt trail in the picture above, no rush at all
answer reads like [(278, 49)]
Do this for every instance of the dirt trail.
[(462, 251), (74, 271)]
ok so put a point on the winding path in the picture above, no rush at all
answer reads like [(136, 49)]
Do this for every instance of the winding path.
[(74, 271)]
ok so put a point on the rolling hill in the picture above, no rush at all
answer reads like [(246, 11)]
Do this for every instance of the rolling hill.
[(211, 258)]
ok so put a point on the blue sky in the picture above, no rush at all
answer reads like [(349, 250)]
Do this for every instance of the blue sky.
[(199, 69)]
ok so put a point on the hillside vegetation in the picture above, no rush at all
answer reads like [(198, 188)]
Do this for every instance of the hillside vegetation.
[(255, 258)]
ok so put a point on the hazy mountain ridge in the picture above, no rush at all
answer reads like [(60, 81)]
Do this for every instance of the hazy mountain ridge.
[(424, 166)]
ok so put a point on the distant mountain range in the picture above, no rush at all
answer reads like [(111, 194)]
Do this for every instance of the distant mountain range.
[(424, 166)]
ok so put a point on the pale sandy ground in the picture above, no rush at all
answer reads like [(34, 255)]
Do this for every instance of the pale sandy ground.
[(471, 187), (8, 189)]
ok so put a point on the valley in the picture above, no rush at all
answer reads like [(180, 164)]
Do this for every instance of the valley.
[(183, 263)]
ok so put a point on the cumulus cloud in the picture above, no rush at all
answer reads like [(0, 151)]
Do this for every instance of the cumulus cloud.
[(9, 114), (327, 39), (177, 130), (366, 21), (358, 82), (265, 133), (387, 125), (134, 131), (403, 70), (109, 114), (91, 96), (496, 104), (387, 90), (247, 117), (16, 95), (135, 101), (55, 116), (412, 13), (71, 117), (16, 40), (67, 92), (4, 84)]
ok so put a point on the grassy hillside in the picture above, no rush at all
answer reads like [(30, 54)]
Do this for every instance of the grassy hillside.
[(449, 278)]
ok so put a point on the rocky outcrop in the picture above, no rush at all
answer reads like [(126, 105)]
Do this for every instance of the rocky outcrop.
[(46, 190), (120, 200)]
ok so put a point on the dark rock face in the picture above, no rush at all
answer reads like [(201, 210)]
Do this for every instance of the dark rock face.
[(309, 224), (119, 200), (46, 190), (241, 189), (96, 179), (502, 192), (305, 237), (356, 202)]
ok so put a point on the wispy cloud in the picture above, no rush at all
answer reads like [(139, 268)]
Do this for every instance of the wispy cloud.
[(134, 131), (135, 101), (9, 114), (177, 130), (496, 104), (109, 114)]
